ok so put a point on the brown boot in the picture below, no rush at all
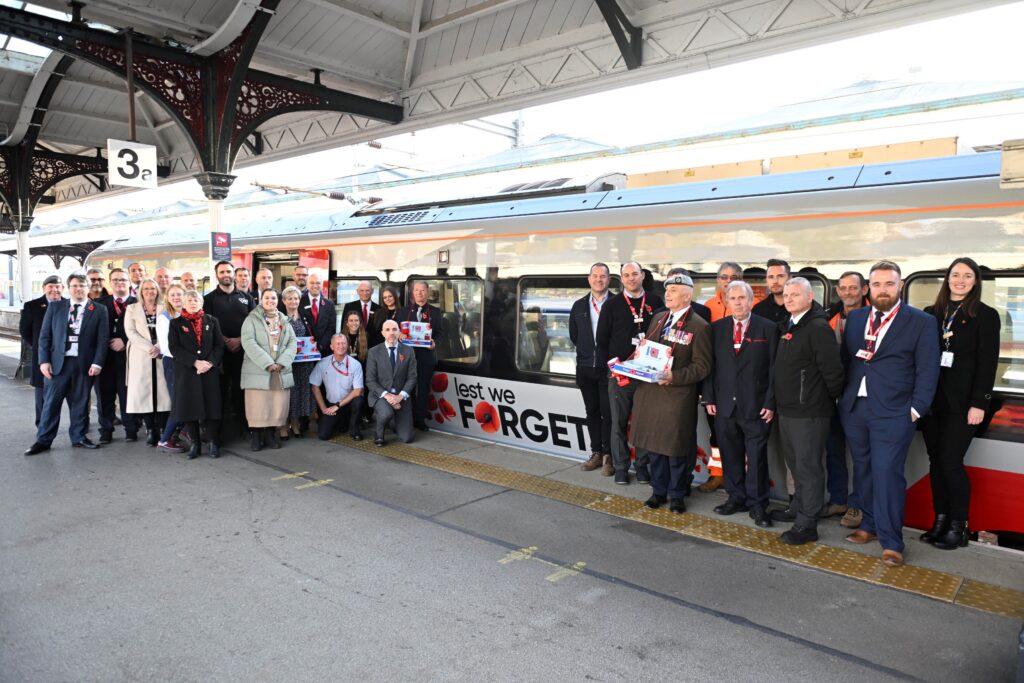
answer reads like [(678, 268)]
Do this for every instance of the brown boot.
[(712, 484), (607, 469), (592, 464)]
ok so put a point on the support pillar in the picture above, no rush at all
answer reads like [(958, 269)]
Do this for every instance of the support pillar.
[(24, 266), (216, 187)]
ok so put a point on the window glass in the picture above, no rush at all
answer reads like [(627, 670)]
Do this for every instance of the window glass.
[(462, 303), (1006, 295), (705, 286), (543, 330), (345, 291)]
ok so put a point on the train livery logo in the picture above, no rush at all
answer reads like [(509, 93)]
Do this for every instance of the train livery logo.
[(512, 412)]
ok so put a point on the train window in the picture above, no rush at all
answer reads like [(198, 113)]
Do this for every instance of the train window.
[(543, 343), (344, 291), (461, 301), (705, 286), (1005, 293)]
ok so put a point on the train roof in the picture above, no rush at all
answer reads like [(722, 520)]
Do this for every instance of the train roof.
[(501, 206)]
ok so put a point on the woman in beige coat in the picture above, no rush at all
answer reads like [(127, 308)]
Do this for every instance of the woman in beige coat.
[(148, 397), (270, 345)]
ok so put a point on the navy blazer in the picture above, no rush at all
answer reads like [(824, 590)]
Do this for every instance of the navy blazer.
[(93, 336), (326, 321), (31, 326), (741, 385), (904, 371)]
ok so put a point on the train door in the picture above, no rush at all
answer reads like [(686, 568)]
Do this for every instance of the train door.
[(281, 264)]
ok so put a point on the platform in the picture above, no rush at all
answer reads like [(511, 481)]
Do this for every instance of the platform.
[(447, 559)]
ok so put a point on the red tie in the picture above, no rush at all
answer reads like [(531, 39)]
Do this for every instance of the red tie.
[(737, 336), (366, 314), (316, 309)]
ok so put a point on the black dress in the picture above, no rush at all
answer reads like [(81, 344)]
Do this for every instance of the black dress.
[(196, 397)]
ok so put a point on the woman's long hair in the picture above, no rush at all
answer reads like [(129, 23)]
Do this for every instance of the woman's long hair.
[(970, 303), (391, 289), (361, 344), (168, 306)]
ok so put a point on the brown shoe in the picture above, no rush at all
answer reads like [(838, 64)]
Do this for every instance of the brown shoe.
[(892, 558), (712, 484), (861, 537), (607, 469), (833, 511), (595, 461), (852, 518)]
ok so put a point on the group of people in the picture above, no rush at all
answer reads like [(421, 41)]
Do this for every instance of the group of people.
[(179, 364), (860, 377)]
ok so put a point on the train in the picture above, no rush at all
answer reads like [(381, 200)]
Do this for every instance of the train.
[(505, 268)]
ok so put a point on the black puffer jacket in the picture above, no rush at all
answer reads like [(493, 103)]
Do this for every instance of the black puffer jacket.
[(808, 372)]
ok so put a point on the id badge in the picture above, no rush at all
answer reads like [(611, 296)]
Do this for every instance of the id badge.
[(947, 359), (638, 319), (737, 346), (947, 335), (73, 339), (864, 354)]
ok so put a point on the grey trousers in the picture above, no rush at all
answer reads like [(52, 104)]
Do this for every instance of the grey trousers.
[(621, 402), (382, 414), (803, 442)]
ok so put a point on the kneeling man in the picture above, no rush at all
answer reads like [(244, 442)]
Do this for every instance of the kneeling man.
[(390, 380), (341, 398)]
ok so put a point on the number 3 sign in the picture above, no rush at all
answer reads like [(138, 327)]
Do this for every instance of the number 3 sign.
[(131, 163)]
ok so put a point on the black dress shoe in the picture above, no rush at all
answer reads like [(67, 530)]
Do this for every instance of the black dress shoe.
[(730, 508), (378, 442), (422, 426), (106, 437), (37, 448), (131, 437), (798, 535), (656, 501), (676, 505), (643, 475), (153, 439), (356, 436), (787, 515), (622, 477), (85, 443), (760, 517)]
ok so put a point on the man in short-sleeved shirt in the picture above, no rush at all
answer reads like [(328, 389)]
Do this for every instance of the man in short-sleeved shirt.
[(337, 383)]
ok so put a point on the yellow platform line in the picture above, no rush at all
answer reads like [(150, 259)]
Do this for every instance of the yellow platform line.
[(931, 583)]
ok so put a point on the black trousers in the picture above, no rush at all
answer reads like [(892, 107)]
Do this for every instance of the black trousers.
[(669, 474), (803, 446), (426, 361), (593, 385), (744, 448), (620, 400), (347, 418), (232, 398), (947, 438), (112, 387)]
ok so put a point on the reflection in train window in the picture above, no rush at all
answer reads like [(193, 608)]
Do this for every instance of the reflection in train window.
[(543, 343), (705, 286), (1005, 293), (461, 301), (344, 290)]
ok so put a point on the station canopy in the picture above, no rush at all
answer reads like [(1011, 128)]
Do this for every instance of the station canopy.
[(405, 64)]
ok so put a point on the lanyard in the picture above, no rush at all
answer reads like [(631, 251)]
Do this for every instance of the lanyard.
[(873, 332), (632, 310), (593, 302), (337, 369), (947, 326), (117, 307)]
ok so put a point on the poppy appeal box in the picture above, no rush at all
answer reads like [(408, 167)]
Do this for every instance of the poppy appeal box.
[(416, 334), (647, 362)]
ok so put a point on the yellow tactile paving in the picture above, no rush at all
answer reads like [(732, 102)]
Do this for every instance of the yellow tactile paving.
[(928, 582)]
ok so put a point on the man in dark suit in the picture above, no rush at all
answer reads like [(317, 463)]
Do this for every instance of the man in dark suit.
[(363, 305), (319, 314), (591, 377), (31, 324), (72, 351), (391, 374), (892, 373), (420, 310), (740, 394), (112, 381)]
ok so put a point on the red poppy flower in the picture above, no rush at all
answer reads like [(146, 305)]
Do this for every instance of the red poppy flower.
[(439, 418), (487, 416), (446, 408), (90, 307), (439, 382), (401, 357), (787, 336), (431, 402)]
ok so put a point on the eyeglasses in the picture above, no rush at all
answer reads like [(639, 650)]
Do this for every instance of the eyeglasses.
[(733, 278), (119, 279), (96, 279)]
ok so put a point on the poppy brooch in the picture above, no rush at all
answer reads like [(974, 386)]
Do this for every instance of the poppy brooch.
[(787, 336)]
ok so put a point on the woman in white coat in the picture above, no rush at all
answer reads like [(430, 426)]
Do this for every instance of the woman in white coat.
[(148, 397)]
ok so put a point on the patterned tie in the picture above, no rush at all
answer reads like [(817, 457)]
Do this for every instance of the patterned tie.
[(391, 350), (316, 309), (737, 337)]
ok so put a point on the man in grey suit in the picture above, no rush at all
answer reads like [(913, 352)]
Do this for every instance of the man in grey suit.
[(390, 379), (72, 350)]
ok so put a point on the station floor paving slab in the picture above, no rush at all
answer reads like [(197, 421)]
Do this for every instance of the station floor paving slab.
[(122, 564)]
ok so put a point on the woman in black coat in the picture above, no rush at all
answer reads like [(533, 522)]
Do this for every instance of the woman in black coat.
[(969, 338), (197, 345)]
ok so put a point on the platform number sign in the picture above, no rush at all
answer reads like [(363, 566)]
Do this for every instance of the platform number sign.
[(131, 163)]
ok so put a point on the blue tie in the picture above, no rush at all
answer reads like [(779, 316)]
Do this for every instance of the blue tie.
[(391, 350)]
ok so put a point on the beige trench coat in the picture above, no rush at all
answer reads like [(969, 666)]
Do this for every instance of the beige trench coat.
[(665, 417), (140, 367)]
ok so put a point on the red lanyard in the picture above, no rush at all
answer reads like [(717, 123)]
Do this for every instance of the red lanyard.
[(593, 302), (117, 308), (338, 369), (873, 332), (632, 310)]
